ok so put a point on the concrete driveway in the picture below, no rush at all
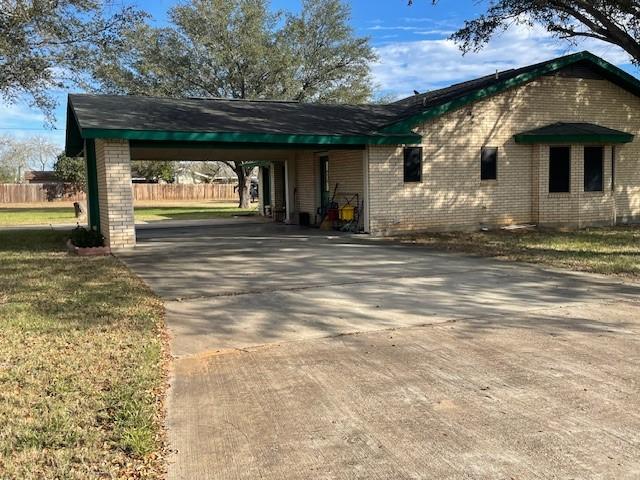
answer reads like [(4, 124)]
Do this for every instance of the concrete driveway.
[(300, 356)]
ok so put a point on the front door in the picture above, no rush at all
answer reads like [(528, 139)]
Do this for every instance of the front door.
[(325, 190)]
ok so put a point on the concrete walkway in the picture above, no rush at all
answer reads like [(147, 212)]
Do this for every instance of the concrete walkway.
[(301, 355)]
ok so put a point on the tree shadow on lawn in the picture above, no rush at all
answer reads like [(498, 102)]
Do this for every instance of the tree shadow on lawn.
[(65, 290)]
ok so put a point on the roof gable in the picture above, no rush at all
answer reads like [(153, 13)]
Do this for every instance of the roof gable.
[(421, 108)]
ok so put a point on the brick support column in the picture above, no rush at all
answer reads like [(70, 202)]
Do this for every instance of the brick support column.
[(113, 161)]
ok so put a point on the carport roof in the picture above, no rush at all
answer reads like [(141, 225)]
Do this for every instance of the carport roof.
[(223, 122)]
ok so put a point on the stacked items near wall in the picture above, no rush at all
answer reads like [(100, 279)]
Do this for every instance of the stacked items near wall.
[(345, 216)]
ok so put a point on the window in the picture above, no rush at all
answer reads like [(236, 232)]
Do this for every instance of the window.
[(412, 164), (489, 163), (593, 169), (559, 169)]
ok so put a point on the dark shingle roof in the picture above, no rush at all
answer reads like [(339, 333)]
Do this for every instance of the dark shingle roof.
[(573, 132), (223, 115), (134, 117)]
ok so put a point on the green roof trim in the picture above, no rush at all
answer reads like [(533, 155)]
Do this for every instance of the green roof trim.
[(93, 198), (574, 133), (573, 139), (546, 68), (224, 137)]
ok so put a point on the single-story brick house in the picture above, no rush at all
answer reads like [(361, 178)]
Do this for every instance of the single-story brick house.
[(551, 144)]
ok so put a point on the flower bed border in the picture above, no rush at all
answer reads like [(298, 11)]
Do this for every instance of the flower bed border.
[(88, 251)]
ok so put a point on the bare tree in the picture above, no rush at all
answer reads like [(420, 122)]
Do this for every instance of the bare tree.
[(43, 152), (14, 158)]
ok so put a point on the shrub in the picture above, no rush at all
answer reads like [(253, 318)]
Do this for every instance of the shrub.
[(83, 238)]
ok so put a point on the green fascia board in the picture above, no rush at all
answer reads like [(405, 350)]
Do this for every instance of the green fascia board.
[(74, 143), (409, 123), (161, 135), (93, 200), (574, 139)]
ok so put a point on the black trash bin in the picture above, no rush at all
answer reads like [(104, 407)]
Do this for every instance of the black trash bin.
[(304, 219)]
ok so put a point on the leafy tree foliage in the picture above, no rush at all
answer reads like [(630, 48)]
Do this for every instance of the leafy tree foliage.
[(154, 170), (43, 44), (613, 21), (240, 49), (72, 171)]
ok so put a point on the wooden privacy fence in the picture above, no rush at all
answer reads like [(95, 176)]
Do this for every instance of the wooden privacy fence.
[(38, 193), (202, 191)]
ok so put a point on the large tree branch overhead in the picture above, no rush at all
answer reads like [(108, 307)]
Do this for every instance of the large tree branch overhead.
[(613, 21), (43, 44)]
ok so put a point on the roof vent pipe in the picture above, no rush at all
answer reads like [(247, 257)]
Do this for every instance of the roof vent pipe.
[(497, 74)]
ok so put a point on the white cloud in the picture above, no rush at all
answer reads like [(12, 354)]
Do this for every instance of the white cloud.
[(16, 114), (450, 22), (435, 31), (392, 27), (19, 121), (434, 63)]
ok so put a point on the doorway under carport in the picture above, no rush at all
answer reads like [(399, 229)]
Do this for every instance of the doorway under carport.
[(293, 182)]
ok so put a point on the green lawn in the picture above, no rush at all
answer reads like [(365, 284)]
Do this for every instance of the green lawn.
[(64, 214), (81, 364), (601, 250)]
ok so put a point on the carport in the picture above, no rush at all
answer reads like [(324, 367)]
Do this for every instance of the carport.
[(307, 149)]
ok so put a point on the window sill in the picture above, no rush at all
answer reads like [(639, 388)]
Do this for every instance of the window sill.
[(489, 183)]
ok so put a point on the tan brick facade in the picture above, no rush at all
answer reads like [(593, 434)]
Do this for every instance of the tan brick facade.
[(451, 194), (345, 169), (277, 189), (307, 190), (115, 195)]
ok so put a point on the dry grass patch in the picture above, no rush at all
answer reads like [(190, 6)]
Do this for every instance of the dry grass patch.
[(613, 250), (81, 364)]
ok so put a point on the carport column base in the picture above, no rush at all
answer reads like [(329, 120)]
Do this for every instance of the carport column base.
[(113, 160)]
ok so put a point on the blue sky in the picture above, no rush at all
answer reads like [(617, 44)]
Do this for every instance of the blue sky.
[(411, 43)]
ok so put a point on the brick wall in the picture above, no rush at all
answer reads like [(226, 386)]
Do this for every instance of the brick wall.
[(277, 182), (575, 209), (345, 169), (307, 196), (451, 194), (114, 193)]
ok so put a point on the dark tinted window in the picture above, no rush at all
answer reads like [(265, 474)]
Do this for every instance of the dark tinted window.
[(560, 169), (489, 163), (412, 164), (593, 169)]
